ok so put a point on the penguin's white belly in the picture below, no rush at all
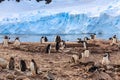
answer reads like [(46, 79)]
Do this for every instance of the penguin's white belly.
[(17, 43), (84, 45), (32, 68), (105, 60), (5, 42), (86, 53), (114, 41), (43, 40)]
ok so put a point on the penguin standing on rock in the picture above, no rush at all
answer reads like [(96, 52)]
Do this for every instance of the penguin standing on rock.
[(48, 49), (5, 41), (11, 64), (17, 42), (33, 67), (105, 60), (23, 66)]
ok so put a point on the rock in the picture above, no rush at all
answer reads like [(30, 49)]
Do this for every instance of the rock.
[(22, 78), (3, 63), (10, 76)]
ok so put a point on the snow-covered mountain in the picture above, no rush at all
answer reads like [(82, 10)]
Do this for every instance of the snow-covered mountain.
[(60, 17)]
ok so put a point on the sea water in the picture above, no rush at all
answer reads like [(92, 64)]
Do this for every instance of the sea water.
[(51, 37)]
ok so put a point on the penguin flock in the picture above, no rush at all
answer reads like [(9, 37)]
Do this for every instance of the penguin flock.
[(23, 66), (59, 45)]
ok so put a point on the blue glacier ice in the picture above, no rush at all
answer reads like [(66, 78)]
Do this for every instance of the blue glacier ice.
[(60, 17)]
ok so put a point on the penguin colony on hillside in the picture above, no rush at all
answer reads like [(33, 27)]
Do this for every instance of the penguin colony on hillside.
[(60, 44)]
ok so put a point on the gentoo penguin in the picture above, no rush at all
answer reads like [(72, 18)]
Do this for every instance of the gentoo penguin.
[(16, 42), (75, 58), (84, 44), (48, 48), (62, 45), (114, 40), (23, 66), (78, 40), (33, 67), (58, 38), (5, 41), (57, 46), (11, 64), (93, 36), (46, 39), (105, 60), (86, 53), (42, 40)]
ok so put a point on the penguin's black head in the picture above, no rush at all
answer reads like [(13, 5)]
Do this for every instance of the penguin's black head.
[(114, 36), (17, 38), (32, 60), (6, 37), (12, 58)]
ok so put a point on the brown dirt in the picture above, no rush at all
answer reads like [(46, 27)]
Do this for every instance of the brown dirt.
[(58, 63)]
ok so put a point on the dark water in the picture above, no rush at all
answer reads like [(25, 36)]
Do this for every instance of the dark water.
[(66, 37)]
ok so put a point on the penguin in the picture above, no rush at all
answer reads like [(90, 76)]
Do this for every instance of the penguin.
[(23, 66), (86, 38), (79, 40), (46, 39), (48, 48), (84, 44), (75, 58), (93, 36), (62, 45), (114, 40), (11, 64), (106, 60), (16, 42), (5, 41), (57, 46), (58, 38), (86, 53), (33, 67), (42, 40)]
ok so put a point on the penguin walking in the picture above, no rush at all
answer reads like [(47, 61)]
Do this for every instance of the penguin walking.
[(5, 41), (48, 48), (105, 60), (33, 67), (23, 66), (11, 64), (17, 42)]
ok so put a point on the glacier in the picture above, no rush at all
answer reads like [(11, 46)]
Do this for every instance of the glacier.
[(61, 17)]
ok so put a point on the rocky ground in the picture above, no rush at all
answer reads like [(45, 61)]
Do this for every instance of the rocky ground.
[(59, 64)]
